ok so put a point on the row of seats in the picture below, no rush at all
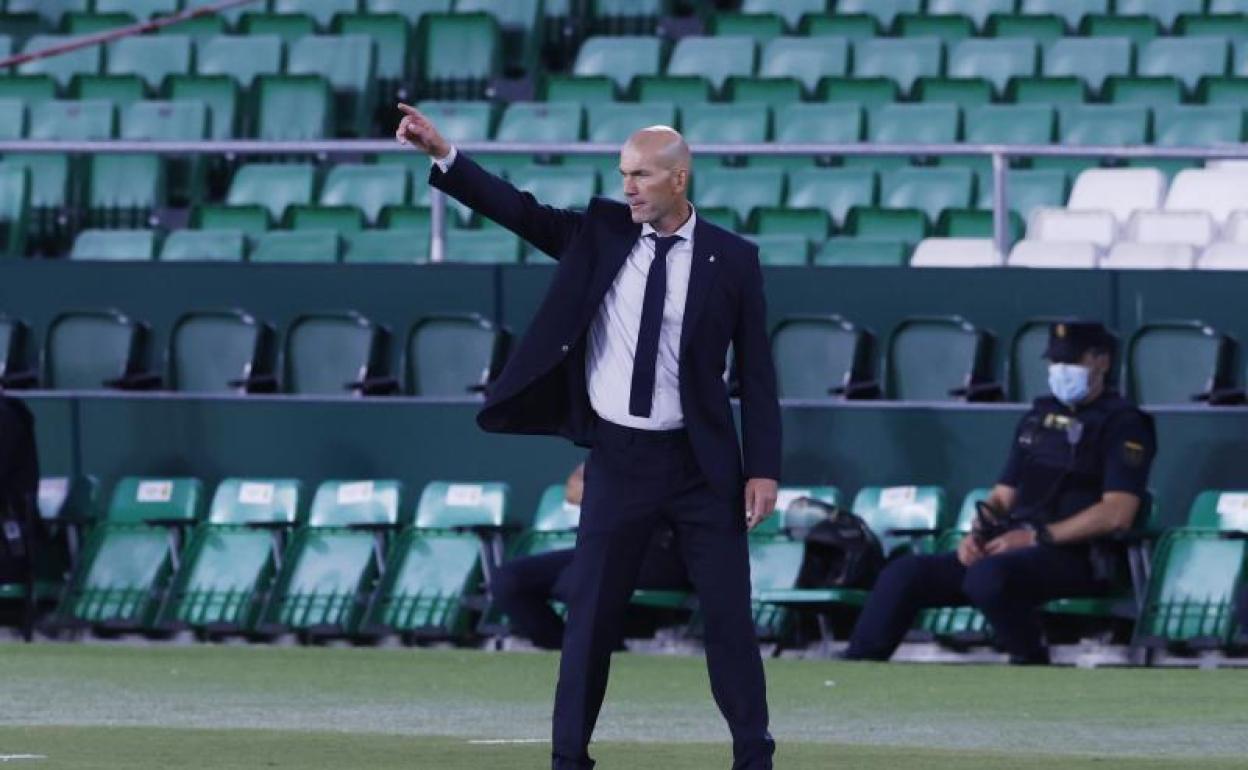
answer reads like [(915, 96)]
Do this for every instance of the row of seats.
[(1122, 255), (232, 352)]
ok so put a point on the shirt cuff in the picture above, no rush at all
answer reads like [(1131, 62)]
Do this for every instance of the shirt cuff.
[(444, 164)]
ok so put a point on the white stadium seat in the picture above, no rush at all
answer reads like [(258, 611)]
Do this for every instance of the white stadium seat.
[(955, 252), (1214, 191), (1118, 190), (1150, 256), (1057, 254), (1224, 256), (1050, 224), (1195, 228), (1236, 228)]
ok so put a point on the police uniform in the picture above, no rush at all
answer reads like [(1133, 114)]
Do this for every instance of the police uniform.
[(1062, 461)]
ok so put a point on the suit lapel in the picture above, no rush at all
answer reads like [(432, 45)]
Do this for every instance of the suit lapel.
[(609, 264), (701, 275)]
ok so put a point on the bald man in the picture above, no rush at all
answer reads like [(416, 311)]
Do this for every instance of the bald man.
[(626, 356)]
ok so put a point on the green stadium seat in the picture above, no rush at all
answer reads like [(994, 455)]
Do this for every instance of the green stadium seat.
[(231, 15), (453, 356), (625, 17), (742, 189), (1094, 125), (14, 209), (138, 9), (63, 67), (791, 11), (459, 122), (1178, 363), (1071, 11), (680, 89), (906, 225), (782, 249), (338, 219), (862, 252), (412, 10), (723, 216), (91, 350), (391, 38), (902, 60), (585, 90), (398, 246), (962, 92), (131, 557), (297, 246), (1188, 59), (930, 123), (723, 124), (197, 28), (930, 190), (714, 58), (321, 11), (51, 11), (152, 58), (233, 555), (823, 357), (1191, 592), (94, 23), (884, 11), (251, 219), (769, 91), (458, 55), (1010, 124), (406, 218), (977, 11), (1197, 126), (121, 90), (948, 29), (369, 188), (28, 89), (488, 245), (1220, 509), (996, 60), (293, 108), (1090, 59), (1043, 28), (1166, 12), (1050, 91), (837, 191), (541, 123), (565, 187), (889, 509), (619, 58), (273, 186), (813, 224), (220, 93), (812, 123), (1138, 29), (288, 26), (938, 359), (522, 26), (204, 246), (335, 354), (115, 245), (6, 46), (614, 123), (333, 563), (349, 64), (1233, 26), (849, 26), (241, 57), (1152, 91), (809, 59), (759, 26), (963, 624), (221, 352)]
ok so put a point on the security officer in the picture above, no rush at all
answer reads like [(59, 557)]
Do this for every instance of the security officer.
[(1077, 471)]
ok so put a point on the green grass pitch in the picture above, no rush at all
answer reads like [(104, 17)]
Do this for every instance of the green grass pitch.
[(167, 706)]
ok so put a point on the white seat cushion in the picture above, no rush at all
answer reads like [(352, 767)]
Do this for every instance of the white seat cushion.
[(1069, 254), (1150, 256), (1195, 228), (1236, 228), (1218, 192), (955, 252), (1224, 256), (1050, 224), (1118, 190)]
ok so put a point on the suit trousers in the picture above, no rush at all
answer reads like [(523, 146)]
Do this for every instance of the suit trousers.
[(633, 480)]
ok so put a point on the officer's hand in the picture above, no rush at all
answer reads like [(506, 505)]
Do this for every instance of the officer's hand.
[(416, 130), (969, 551), (760, 500), (1010, 541)]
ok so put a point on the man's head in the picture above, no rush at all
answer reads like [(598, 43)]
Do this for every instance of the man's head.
[(1080, 355), (655, 164)]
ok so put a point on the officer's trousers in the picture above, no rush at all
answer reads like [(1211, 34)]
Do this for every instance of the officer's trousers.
[(1008, 589)]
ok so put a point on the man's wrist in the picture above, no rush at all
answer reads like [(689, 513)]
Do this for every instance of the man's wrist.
[(445, 162), (1042, 534)]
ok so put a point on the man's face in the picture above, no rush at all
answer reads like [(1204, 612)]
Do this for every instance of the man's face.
[(651, 189), (1098, 366)]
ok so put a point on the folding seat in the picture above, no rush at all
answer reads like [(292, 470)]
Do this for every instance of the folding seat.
[(808, 123), (996, 60), (1194, 228), (1043, 28), (742, 189), (288, 26), (587, 90), (862, 252), (1138, 29), (1071, 11), (1152, 91), (1215, 191), (399, 246), (553, 526), (412, 10), (197, 27), (336, 354), (849, 26), (721, 215), (225, 582), (960, 624), (521, 25), (761, 27), (458, 55), (115, 245), (1027, 371), (823, 357), (294, 108), (902, 60), (614, 123), (459, 122), (297, 246), (50, 11), (349, 64), (955, 252), (1178, 362), (836, 191), (132, 554), (672, 89), (963, 92), (121, 90), (1227, 6), (269, 188), (1235, 227), (1096, 125), (321, 11), (914, 124), (929, 190), (63, 67), (1054, 254), (1010, 124), (334, 560), (1197, 126), (791, 11), (1090, 59), (1189, 606), (12, 119), (772, 92), (714, 58), (862, 92), (367, 188), (566, 187), (541, 123), (948, 29), (204, 246), (28, 89), (1166, 12), (1072, 226), (1045, 90), (977, 11), (1119, 191), (809, 59), (230, 15), (782, 249), (488, 245), (626, 17), (1224, 256), (905, 225), (810, 224), (724, 124), (336, 219), (1231, 26), (939, 359), (92, 350), (1126, 255), (138, 9), (619, 58), (14, 209), (67, 506), (219, 93), (884, 11), (241, 57), (391, 36), (453, 356), (1187, 59), (153, 58)]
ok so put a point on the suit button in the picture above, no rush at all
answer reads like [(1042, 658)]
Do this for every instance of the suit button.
[(564, 348)]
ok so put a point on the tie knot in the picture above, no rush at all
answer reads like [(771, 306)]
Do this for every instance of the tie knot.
[(664, 243)]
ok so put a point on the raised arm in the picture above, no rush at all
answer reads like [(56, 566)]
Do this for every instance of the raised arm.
[(548, 228)]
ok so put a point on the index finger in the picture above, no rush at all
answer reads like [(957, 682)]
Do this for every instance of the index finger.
[(410, 110)]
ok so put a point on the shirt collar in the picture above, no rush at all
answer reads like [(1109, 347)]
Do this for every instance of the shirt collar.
[(685, 231)]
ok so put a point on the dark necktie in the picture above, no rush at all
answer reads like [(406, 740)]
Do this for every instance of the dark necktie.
[(646, 359)]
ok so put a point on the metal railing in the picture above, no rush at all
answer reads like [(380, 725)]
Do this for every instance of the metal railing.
[(999, 153)]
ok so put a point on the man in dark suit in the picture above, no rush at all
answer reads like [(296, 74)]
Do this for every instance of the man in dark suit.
[(626, 356)]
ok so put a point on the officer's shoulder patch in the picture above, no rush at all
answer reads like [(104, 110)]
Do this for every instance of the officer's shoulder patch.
[(1133, 453)]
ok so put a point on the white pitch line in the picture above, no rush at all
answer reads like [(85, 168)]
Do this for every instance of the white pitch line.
[(16, 757), (506, 741)]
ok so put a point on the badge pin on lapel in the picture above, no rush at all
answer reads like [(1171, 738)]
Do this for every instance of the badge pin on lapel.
[(712, 258)]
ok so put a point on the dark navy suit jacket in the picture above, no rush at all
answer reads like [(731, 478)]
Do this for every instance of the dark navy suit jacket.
[(542, 389)]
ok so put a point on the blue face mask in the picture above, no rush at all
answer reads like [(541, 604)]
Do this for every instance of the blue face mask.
[(1069, 382)]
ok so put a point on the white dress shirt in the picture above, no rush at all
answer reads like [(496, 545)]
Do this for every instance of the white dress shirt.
[(613, 333)]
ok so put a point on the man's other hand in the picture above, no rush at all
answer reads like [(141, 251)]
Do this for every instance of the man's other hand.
[(416, 130), (760, 500), (969, 551), (1010, 541)]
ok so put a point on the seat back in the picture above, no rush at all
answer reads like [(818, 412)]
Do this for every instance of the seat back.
[(370, 188), (204, 246), (554, 512), (1216, 191), (342, 503), (809, 59), (816, 356), (453, 356), (242, 57), (85, 349), (136, 500), (714, 58), (905, 507), (325, 353), (273, 186), (218, 352), (1220, 509), (930, 357), (151, 57), (620, 58), (451, 505), (63, 67), (1192, 588), (1173, 363), (323, 246)]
